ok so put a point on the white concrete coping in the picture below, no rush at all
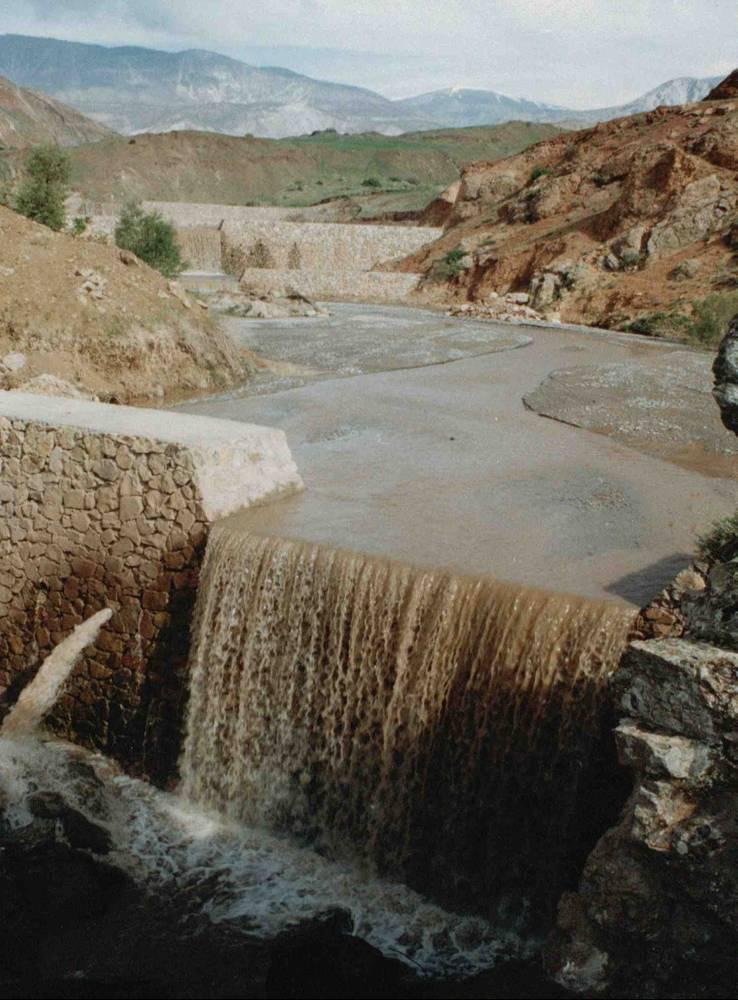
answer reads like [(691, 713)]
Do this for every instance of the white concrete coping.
[(236, 464)]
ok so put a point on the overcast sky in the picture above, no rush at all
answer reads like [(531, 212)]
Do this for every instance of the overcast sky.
[(582, 53)]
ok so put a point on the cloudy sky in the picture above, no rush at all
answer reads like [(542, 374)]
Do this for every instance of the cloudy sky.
[(581, 53)]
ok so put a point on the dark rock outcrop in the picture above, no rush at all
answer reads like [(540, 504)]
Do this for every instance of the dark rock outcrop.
[(726, 89), (656, 912), (725, 370)]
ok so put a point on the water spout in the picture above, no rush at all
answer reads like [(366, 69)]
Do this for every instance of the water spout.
[(38, 698)]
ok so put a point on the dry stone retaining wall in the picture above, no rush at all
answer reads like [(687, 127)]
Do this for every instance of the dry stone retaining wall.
[(365, 286), (325, 246), (110, 506), (330, 259)]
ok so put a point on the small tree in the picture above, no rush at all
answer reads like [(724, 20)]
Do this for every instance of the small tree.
[(44, 187), (150, 237)]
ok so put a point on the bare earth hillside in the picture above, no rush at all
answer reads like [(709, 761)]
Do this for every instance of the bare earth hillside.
[(102, 321), (633, 218), (28, 118)]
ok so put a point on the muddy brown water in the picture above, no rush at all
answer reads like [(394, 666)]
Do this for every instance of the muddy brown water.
[(415, 444), (446, 730)]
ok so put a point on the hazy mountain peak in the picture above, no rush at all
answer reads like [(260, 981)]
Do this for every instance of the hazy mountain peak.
[(28, 118), (135, 89)]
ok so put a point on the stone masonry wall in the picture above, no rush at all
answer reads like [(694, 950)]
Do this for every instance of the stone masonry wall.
[(109, 506), (364, 286), (331, 260), (326, 246)]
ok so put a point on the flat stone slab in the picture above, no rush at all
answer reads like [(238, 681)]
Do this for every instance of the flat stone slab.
[(237, 464), (663, 406)]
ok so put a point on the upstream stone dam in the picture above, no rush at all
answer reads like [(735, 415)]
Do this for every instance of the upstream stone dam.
[(266, 248), (428, 753)]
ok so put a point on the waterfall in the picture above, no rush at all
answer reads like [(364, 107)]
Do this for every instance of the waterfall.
[(38, 698), (201, 249), (443, 730)]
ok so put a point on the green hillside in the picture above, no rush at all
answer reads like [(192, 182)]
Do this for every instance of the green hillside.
[(378, 173)]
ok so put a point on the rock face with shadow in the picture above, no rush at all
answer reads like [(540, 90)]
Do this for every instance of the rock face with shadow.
[(725, 370), (656, 910)]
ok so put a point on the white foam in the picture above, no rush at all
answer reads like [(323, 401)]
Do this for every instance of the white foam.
[(246, 877)]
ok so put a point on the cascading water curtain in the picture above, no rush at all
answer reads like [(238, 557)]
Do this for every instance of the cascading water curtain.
[(447, 731)]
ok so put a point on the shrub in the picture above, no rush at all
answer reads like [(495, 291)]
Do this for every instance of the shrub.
[(720, 543), (537, 172), (673, 325), (631, 259), (711, 317), (44, 187), (259, 256), (451, 265), (371, 182), (706, 326), (150, 237), (294, 258), (233, 259), (80, 224)]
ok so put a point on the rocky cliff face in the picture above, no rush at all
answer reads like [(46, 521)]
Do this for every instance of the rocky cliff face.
[(604, 226), (656, 911), (726, 90)]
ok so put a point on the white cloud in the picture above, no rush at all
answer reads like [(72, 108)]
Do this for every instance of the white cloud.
[(576, 52)]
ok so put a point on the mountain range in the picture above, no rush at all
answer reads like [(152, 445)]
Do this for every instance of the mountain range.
[(131, 89), (28, 118)]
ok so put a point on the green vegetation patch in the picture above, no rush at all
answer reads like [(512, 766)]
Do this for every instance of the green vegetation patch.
[(379, 172), (150, 237), (451, 265), (704, 327), (720, 543), (43, 189)]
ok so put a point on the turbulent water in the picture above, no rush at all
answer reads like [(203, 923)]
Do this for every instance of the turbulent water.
[(447, 731), (357, 730), (246, 878)]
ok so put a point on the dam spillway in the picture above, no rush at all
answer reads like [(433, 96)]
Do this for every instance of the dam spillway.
[(440, 729)]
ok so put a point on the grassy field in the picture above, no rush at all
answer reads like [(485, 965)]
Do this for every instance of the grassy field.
[(379, 173)]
